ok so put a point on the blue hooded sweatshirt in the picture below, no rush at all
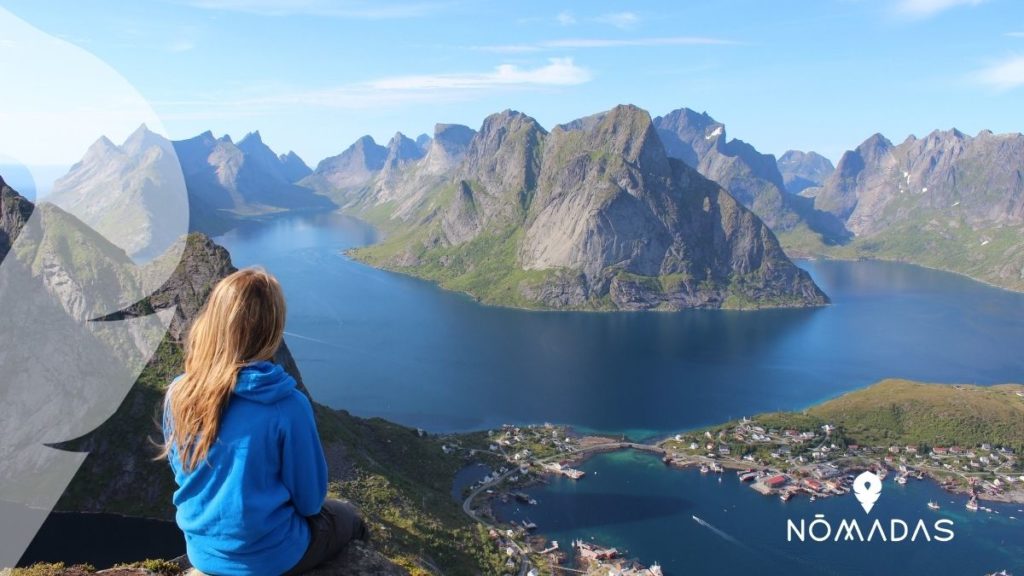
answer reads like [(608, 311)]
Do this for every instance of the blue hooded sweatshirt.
[(243, 509)]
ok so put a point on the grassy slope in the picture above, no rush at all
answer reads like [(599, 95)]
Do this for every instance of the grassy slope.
[(994, 255), (398, 478), (904, 412)]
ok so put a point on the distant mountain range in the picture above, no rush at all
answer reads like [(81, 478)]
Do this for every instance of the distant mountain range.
[(947, 200), (471, 186), (225, 182)]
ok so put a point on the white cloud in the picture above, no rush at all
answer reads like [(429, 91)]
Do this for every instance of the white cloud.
[(509, 48), (583, 43), (394, 90), (565, 18), (1005, 75), (356, 9), (618, 43), (624, 20), (558, 72), (925, 8)]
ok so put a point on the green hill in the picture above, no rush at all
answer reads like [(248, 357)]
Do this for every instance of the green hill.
[(904, 412)]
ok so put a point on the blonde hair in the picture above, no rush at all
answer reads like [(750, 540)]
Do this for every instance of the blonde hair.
[(242, 322)]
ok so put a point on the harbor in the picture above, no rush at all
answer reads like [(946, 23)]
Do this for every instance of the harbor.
[(780, 463)]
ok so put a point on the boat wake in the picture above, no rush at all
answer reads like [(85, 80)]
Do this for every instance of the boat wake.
[(720, 533)]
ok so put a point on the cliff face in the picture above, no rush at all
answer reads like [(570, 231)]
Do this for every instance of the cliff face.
[(593, 215), (947, 200), (14, 212), (751, 177)]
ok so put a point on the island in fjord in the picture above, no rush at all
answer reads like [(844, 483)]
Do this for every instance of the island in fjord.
[(592, 215)]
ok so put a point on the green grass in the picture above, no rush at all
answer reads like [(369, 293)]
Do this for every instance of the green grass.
[(486, 267), (991, 254), (913, 413)]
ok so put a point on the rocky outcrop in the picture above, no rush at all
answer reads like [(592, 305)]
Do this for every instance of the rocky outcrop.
[(593, 215), (14, 213), (447, 148), (356, 559)]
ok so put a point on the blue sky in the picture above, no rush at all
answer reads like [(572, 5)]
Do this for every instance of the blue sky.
[(314, 75)]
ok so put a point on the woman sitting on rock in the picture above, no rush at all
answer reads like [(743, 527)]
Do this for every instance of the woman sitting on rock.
[(243, 444)]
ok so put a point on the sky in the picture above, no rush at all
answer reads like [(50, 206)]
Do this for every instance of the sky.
[(314, 75)]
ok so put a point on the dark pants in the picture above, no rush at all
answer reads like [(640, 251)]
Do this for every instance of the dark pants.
[(337, 524)]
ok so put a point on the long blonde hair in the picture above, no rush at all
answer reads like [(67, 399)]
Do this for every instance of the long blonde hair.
[(242, 322)]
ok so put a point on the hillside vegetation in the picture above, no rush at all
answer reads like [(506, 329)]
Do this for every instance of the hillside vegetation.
[(903, 412)]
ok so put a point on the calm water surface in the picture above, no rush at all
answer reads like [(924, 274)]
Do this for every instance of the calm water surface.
[(632, 501), (383, 344)]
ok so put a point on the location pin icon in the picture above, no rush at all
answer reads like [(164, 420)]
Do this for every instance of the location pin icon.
[(867, 487)]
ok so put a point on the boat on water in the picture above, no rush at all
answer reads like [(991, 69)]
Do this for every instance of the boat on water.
[(901, 479), (529, 525), (704, 469), (933, 505), (785, 496), (813, 498), (972, 504)]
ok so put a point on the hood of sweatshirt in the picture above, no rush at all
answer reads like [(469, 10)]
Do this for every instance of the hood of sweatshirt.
[(264, 382)]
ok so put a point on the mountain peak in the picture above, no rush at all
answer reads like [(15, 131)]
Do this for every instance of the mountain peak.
[(143, 139), (401, 150), (294, 167), (253, 137)]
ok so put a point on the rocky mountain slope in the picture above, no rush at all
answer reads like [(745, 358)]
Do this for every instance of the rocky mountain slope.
[(751, 177), (948, 200), (802, 170), (594, 215)]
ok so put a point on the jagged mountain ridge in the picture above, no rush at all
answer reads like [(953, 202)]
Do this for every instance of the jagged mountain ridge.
[(247, 178), (948, 200), (593, 215), (129, 192), (750, 176)]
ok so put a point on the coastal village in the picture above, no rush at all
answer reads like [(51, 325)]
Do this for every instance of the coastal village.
[(818, 462), (777, 457), (521, 456)]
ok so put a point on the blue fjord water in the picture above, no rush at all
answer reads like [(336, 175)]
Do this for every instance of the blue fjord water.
[(632, 501), (383, 344)]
